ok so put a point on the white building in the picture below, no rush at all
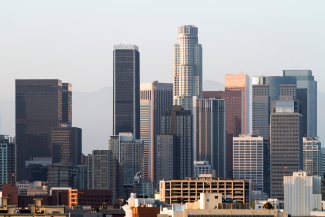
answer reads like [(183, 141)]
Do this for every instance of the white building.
[(187, 67), (312, 156), (201, 167), (248, 161), (302, 194), (277, 204)]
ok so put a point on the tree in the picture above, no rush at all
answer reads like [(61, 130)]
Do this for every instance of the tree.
[(268, 206), (96, 209)]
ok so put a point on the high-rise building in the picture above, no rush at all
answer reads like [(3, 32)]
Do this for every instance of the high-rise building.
[(286, 144), (104, 173), (62, 175), (187, 67), (302, 194), (307, 95), (322, 163), (82, 182), (7, 161), (234, 120), (209, 117), (129, 152), (38, 109), (155, 98), (66, 145), (126, 90), (252, 162), (265, 90), (67, 103), (167, 159), (240, 82), (312, 156), (179, 122)]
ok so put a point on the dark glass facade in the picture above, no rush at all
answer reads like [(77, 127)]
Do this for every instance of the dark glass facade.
[(265, 90), (66, 145), (302, 97), (126, 90), (179, 122), (67, 103), (286, 143), (234, 119), (210, 139), (38, 109)]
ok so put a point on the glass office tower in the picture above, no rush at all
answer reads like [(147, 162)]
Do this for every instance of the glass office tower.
[(126, 90), (265, 90), (307, 87), (187, 67)]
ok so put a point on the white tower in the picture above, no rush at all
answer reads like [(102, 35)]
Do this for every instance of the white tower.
[(187, 67)]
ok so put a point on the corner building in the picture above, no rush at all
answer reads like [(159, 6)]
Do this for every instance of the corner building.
[(187, 67), (126, 90)]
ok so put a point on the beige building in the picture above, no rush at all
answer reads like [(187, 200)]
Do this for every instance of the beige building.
[(240, 82), (188, 190), (34, 210)]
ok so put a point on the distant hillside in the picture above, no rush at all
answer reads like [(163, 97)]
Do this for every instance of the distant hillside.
[(93, 113)]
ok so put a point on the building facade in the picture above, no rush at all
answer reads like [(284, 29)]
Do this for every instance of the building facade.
[(240, 82), (187, 67), (67, 145), (302, 194), (209, 117), (62, 175), (38, 109), (312, 156), (167, 158), (126, 90), (202, 167), (129, 152), (7, 161), (189, 189), (265, 90), (67, 104), (234, 120), (286, 143), (105, 173), (155, 98), (322, 163), (179, 122), (251, 161), (307, 87)]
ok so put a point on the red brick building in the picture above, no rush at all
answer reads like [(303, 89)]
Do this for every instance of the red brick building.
[(11, 193)]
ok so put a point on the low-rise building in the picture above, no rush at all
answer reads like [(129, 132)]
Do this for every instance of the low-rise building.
[(189, 189), (276, 204)]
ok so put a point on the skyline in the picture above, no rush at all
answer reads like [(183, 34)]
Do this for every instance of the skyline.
[(46, 40)]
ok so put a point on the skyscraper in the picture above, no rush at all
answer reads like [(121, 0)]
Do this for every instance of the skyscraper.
[(209, 117), (129, 152), (66, 145), (286, 145), (252, 161), (240, 82), (155, 98), (307, 86), (179, 122), (234, 120), (312, 156), (187, 67), (7, 161), (265, 90), (38, 109), (67, 103), (126, 90)]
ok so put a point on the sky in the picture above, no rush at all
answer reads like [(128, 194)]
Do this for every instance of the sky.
[(73, 40)]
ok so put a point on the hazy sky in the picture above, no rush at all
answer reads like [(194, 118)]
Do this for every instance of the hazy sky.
[(73, 40)]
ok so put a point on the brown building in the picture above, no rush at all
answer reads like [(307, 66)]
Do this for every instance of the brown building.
[(240, 82), (67, 145), (234, 121), (94, 197), (145, 211), (11, 193), (24, 201)]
